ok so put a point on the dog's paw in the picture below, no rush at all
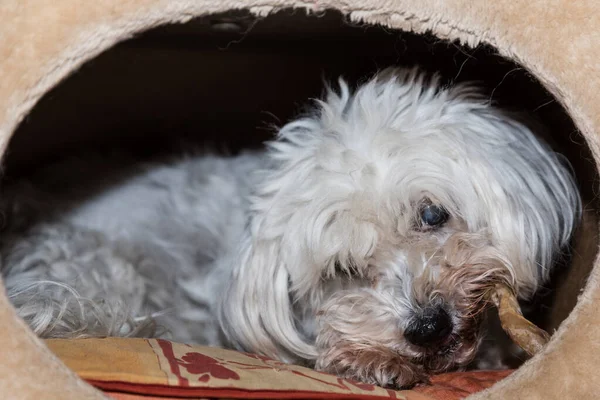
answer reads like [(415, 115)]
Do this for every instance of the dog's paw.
[(373, 365)]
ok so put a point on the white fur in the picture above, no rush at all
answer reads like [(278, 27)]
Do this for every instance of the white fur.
[(251, 248)]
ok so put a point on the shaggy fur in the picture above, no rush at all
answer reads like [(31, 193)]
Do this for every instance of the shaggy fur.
[(316, 250)]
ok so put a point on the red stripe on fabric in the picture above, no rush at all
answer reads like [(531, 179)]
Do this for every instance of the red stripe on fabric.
[(233, 393), (167, 349)]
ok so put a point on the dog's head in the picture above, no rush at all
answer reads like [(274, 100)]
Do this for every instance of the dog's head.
[(382, 219)]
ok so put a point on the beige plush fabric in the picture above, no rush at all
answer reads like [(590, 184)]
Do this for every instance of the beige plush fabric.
[(42, 41)]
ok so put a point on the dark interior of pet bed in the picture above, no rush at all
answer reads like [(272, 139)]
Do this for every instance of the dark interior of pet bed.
[(226, 81)]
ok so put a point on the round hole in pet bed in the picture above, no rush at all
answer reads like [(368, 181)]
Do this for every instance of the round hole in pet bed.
[(225, 80)]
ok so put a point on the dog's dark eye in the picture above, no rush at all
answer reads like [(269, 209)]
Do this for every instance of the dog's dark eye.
[(433, 215)]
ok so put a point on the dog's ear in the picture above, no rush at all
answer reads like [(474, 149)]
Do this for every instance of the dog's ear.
[(256, 311), (527, 192)]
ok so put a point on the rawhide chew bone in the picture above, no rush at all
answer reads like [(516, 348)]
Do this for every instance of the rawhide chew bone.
[(524, 333)]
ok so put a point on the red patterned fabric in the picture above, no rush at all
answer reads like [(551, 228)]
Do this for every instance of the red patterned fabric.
[(130, 369), (458, 385)]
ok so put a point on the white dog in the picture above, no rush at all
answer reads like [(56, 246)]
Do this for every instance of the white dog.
[(358, 242)]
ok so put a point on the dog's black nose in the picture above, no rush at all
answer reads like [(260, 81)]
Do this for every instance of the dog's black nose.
[(429, 328)]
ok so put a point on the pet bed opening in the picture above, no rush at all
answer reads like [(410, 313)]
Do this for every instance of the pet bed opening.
[(226, 80)]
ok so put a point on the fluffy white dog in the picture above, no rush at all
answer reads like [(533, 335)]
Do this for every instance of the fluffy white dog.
[(358, 242)]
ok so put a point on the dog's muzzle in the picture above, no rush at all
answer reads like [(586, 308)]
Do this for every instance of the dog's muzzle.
[(430, 328)]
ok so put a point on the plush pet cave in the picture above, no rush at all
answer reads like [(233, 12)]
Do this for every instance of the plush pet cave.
[(152, 77)]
